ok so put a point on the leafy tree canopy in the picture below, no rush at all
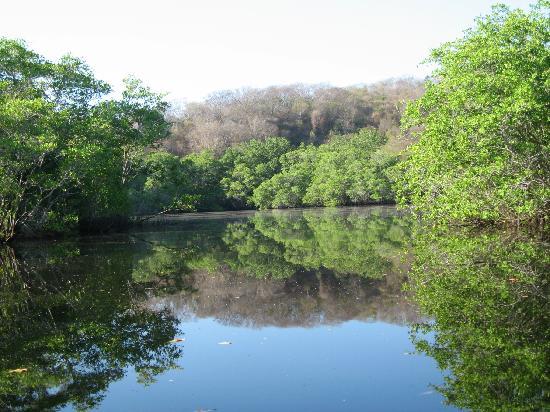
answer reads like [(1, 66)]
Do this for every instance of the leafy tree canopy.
[(483, 152), (66, 149), (347, 170), (249, 164)]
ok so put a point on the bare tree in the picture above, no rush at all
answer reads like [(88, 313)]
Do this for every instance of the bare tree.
[(301, 113)]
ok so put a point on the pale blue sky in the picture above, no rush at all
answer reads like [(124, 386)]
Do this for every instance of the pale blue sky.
[(192, 48)]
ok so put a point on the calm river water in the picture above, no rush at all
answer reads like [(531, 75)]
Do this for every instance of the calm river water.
[(349, 309)]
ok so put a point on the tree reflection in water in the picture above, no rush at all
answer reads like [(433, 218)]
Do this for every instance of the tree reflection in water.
[(77, 315), (488, 295), (75, 329), (297, 268)]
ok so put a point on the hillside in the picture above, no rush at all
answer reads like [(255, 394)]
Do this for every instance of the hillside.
[(300, 113)]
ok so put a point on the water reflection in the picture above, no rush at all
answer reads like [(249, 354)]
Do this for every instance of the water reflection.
[(305, 299), (289, 268), (489, 296), (79, 315), (369, 243), (75, 316), (68, 331)]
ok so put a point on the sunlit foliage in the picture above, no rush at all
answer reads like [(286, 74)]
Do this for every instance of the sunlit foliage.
[(66, 150), (483, 152), (347, 170)]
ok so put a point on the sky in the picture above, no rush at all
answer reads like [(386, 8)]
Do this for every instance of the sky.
[(191, 48)]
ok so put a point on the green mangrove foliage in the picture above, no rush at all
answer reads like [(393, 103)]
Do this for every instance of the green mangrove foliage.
[(488, 296), (203, 181), (66, 334), (287, 188), (249, 164), (483, 151), (70, 156), (347, 170), (167, 183), (67, 151)]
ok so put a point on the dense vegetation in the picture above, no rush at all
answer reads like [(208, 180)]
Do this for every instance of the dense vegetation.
[(483, 152), (71, 156), (347, 170), (66, 150), (270, 173)]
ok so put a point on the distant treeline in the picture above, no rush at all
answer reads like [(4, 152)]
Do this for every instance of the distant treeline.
[(272, 173), (299, 113)]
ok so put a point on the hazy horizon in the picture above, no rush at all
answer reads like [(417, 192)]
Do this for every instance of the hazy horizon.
[(190, 50)]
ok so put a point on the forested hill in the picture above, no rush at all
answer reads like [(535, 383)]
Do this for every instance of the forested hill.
[(300, 113)]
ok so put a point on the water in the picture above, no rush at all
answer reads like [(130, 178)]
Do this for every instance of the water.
[(300, 310)]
